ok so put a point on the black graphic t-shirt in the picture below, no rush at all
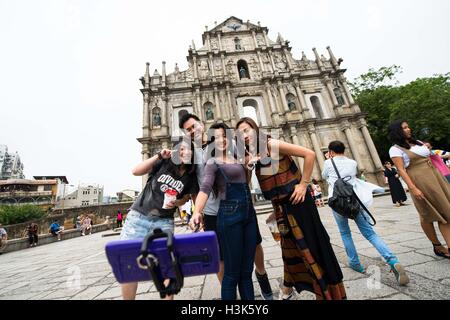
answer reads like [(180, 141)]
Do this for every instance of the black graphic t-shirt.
[(164, 188)]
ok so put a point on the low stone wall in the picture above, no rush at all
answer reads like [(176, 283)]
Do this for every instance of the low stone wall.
[(22, 243), (99, 215)]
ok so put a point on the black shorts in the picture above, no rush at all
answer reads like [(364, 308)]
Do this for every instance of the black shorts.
[(210, 224)]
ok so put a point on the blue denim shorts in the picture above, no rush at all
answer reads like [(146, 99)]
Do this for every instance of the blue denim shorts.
[(138, 225)]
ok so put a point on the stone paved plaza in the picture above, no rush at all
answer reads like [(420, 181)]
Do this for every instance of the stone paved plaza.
[(51, 271)]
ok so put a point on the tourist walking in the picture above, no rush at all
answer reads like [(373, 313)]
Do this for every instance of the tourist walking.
[(340, 165), (119, 219), (429, 190), (398, 194)]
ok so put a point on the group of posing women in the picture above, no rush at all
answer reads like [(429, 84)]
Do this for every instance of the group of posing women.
[(215, 172)]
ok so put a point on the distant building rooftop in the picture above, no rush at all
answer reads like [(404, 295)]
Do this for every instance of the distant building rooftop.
[(26, 181), (62, 178)]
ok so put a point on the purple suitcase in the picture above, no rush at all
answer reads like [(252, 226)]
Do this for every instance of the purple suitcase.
[(197, 254)]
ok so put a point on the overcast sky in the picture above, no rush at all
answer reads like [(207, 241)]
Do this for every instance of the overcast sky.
[(69, 91)]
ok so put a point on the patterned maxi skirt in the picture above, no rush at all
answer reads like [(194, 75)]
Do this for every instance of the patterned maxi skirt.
[(309, 260)]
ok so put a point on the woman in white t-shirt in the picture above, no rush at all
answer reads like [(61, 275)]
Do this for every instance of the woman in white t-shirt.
[(429, 189)]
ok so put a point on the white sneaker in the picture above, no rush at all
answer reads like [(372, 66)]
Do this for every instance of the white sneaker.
[(290, 296)]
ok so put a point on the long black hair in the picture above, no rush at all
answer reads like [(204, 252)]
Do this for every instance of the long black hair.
[(175, 162), (397, 136), (211, 149), (262, 139)]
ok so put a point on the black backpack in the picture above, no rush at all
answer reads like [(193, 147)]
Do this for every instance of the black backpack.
[(345, 201)]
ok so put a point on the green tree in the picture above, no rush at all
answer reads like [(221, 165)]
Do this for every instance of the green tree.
[(424, 103), (12, 214)]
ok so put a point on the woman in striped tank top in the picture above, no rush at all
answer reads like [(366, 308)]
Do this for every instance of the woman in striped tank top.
[(309, 260)]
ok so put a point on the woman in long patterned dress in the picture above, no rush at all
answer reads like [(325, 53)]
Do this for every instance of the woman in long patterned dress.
[(309, 260)]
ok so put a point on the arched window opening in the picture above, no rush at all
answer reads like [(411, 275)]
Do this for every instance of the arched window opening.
[(339, 96)]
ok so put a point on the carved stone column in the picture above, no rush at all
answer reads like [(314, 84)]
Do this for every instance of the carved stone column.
[(288, 59), (260, 61), (219, 117), (145, 116), (333, 60), (208, 42), (220, 41), (318, 60), (271, 61), (211, 64), (273, 108), (362, 125), (283, 97), (164, 111), (233, 114), (330, 91), (296, 141), (315, 142), (302, 100), (266, 38), (254, 39), (224, 67), (347, 90), (198, 100), (195, 67), (346, 127)]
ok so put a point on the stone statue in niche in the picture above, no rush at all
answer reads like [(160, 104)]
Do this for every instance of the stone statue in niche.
[(291, 103), (209, 113), (243, 73), (156, 118)]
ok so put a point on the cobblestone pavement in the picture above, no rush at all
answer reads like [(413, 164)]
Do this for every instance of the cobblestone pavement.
[(50, 271)]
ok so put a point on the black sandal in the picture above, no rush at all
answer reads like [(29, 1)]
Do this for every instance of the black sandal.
[(440, 253)]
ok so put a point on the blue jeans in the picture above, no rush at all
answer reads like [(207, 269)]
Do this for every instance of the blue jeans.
[(368, 233), (138, 225), (237, 230)]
